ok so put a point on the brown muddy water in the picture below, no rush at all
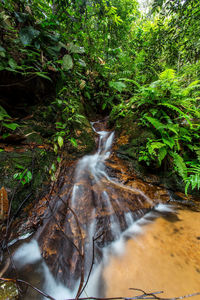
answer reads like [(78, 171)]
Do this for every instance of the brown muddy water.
[(165, 257)]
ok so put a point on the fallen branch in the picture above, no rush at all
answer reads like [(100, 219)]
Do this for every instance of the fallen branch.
[(142, 296)]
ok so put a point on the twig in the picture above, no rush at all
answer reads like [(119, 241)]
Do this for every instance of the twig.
[(143, 296), (91, 267)]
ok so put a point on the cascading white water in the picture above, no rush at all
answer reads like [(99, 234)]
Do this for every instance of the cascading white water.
[(91, 167)]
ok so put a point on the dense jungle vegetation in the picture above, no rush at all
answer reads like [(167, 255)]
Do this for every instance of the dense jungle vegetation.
[(64, 62)]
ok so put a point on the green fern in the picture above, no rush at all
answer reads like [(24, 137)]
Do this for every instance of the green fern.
[(157, 124), (162, 154), (180, 165), (167, 74), (152, 146), (179, 111), (197, 150), (193, 179), (192, 86), (132, 81)]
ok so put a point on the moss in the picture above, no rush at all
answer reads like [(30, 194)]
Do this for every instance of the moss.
[(84, 137), (36, 161), (8, 290)]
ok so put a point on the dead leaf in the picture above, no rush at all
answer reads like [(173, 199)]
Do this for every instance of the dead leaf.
[(50, 68), (82, 84), (4, 204), (101, 61)]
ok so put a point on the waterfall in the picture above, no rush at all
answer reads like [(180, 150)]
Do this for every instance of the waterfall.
[(97, 225)]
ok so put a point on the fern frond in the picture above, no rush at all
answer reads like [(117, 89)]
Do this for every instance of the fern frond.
[(193, 179), (172, 128), (178, 110), (197, 151), (154, 145), (193, 85), (161, 154), (132, 81), (167, 74), (180, 165), (157, 124)]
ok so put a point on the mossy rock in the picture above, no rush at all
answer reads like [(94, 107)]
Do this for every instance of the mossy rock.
[(85, 139), (14, 164), (137, 139), (8, 291)]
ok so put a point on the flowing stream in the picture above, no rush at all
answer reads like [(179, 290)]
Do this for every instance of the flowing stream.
[(94, 218)]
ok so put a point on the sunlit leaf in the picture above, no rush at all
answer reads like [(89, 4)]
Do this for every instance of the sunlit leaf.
[(74, 142), (67, 62), (117, 85), (11, 126), (60, 141)]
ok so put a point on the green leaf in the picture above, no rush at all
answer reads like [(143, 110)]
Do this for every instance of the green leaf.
[(19, 166), (2, 52), (55, 148), (74, 142), (11, 126), (180, 165), (2, 49), (161, 154), (16, 176), (53, 167), (132, 81), (169, 141), (117, 85), (21, 17), (155, 122), (67, 62), (43, 75), (71, 47), (3, 113), (12, 63), (29, 176), (28, 34), (60, 141), (167, 74), (154, 145), (172, 128), (82, 63)]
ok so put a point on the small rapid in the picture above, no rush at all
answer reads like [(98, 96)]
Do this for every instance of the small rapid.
[(83, 228)]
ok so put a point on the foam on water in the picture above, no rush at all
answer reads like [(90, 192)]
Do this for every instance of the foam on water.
[(55, 289), (164, 208), (28, 253)]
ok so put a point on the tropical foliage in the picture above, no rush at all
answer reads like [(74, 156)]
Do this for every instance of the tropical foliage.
[(111, 57)]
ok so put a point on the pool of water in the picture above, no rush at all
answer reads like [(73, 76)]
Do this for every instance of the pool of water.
[(165, 257)]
